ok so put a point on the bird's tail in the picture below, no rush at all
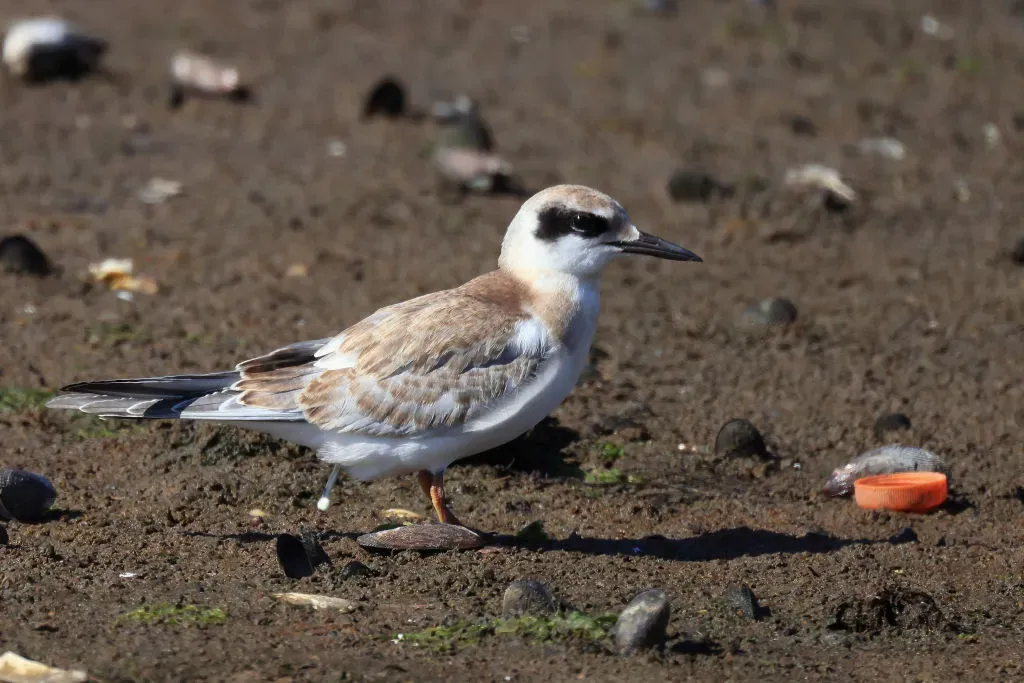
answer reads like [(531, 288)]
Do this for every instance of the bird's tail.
[(160, 398)]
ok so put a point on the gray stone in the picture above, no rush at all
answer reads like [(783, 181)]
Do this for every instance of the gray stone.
[(25, 496), (742, 601), (643, 623), (739, 438), (527, 597), (771, 312)]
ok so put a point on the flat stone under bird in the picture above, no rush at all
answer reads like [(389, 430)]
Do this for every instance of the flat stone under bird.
[(420, 384)]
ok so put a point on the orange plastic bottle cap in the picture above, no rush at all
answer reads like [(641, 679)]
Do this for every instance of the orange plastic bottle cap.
[(901, 491)]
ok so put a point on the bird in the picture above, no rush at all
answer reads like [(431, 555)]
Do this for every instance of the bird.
[(420, 384)]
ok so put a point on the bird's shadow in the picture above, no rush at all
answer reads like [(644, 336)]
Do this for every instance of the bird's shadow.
[(724, 544), (540, 450)]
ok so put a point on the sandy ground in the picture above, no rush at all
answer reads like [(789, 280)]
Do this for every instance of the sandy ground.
[(906, 301)]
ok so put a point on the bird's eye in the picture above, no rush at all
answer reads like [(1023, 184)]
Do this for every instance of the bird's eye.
[(557, 222)]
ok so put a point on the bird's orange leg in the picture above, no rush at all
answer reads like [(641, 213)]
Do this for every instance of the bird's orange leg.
[(433, 487)]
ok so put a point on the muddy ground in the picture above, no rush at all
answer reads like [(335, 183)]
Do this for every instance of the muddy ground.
[(907, 301)]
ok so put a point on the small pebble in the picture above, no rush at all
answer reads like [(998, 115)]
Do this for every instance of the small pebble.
[(527, 597), (893, 422), (771, 312), (743, 602), (25, 496), (907, 535), (1017, 255), (642, 624), (355, 570), (890, 148), (19, 254), (425, 537), (692, 186), (802, 126), (386, 98), (739, 438), (662, 7)]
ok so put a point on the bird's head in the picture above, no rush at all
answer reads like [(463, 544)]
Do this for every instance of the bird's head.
[(576, 230)]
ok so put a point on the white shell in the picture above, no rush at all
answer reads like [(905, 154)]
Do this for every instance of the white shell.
[(26, 34)]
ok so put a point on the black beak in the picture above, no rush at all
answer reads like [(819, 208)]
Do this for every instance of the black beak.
[(649, 245)]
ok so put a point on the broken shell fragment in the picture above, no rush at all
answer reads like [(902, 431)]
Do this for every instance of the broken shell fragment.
[(821, 177), (470, 169), (49, 48), (317, 601), (401, 515), (25, 496), (196, 74), (885, 460), (422, 537), (18, 669), (117, 274)]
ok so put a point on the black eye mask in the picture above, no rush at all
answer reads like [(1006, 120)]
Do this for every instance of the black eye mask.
[(555, 222)]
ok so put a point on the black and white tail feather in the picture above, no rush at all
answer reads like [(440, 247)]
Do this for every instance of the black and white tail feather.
[(184, 397)]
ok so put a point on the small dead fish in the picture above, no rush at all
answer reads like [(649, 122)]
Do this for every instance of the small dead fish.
[(193, 73), (884, 460), (49, 48), (822, 177)]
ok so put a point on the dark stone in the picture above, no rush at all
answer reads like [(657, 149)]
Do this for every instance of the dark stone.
[(771, 312), (642, 624), (300, 556), (314, 551), (893, 422), (801, 125), (387, 98), (355, 570), (739, 438), (692, 186), (19, 254), (742, 601), (907, 535), (527, 597), (4, 538), (1017, 255), (833, 203), (25, 496)]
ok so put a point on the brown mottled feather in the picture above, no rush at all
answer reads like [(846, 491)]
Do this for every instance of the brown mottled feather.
[(426, 363)]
